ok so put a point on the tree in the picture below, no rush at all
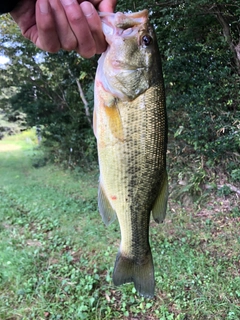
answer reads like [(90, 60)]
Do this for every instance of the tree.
[(46, 90)]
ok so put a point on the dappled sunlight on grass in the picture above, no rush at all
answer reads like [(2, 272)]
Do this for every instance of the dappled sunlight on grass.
[(9, 147), (24, 140)]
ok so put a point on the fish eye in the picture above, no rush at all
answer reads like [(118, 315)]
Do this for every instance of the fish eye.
[(146, 40)]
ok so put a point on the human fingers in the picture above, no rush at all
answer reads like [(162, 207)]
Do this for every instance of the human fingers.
[(95, 26), (62, 24), (48, 39), (65, 34), (24, 16), (37, 23), (102, 5), (78, 22)]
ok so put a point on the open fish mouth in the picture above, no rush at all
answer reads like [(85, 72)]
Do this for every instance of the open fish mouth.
[(120, 24), (110, 30)]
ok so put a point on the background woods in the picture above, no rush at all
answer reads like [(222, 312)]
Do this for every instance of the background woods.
[(53, 91)]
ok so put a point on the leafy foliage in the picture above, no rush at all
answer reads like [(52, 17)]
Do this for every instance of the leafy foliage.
[(45, 88)]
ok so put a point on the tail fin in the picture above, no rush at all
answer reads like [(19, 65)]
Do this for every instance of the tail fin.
[(141, 274)]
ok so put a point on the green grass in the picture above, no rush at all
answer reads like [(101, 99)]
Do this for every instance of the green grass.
[(57, 257)]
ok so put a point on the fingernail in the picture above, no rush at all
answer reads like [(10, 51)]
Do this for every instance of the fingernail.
[(67, 2), (87, 9), (43, 6)]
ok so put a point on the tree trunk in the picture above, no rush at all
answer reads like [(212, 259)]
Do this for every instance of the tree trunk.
[(84, 100), (234, 47)]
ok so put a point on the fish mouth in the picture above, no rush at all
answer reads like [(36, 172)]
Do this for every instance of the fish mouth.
[(119, 23), (111, 30), (132, 70), (117, 64)]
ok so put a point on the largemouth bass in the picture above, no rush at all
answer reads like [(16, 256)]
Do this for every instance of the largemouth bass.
[(130, 125)]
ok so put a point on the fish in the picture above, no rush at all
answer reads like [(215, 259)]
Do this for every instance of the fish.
[(130, 126)]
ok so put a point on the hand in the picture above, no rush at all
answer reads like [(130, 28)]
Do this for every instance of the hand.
[(64, 24)]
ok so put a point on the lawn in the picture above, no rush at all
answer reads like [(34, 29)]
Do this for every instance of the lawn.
[(57, 257)]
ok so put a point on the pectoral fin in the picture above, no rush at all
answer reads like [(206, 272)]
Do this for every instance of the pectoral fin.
[(114, 121), (160, 205), (105, 208)]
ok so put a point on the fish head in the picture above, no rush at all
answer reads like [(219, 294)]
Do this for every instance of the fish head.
[(130, 64)]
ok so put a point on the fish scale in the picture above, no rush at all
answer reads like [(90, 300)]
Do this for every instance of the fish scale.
[(131, 129)]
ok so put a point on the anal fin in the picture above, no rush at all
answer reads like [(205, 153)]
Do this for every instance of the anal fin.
[(160, 204), (107, 212)]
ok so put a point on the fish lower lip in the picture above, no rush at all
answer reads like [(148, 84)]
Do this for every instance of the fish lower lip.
[(132, 69), (122, 66)]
